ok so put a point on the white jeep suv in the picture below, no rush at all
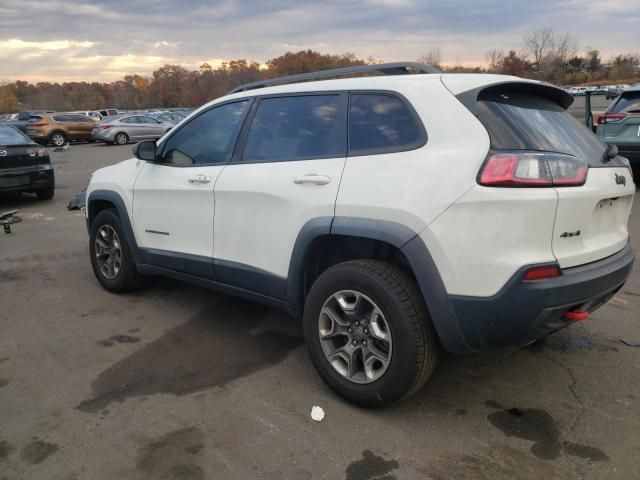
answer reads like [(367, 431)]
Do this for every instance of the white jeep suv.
[(396, 214)]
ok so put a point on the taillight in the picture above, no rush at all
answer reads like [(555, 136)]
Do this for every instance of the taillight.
[(104, 127), (540, 273), (532, 169), (38, 124), (611, 117)]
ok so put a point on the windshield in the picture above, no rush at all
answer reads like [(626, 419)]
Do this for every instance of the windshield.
[(11, 136), (519, 120)]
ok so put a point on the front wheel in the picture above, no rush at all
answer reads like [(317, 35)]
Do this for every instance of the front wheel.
[(111, 256), (120, 138), (368, 332)]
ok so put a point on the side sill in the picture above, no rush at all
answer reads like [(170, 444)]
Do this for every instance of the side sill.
[(145, 269)]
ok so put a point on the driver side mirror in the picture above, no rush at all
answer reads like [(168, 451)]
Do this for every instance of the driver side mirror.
[(146, 150)]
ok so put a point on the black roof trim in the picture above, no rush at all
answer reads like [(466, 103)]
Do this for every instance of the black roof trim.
[(396, 68)]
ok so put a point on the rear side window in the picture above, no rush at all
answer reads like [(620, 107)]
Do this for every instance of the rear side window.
[(62, 118), (208, 138), (129, 120), (296, 128), (382, 123), (518, 120), (627, 103)]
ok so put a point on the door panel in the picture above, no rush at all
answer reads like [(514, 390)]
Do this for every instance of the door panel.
[(173, 201), (173, 208), (261, 208), (288, 172)]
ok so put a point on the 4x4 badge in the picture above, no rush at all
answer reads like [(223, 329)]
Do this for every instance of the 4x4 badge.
[(621, 179), (570, 234)]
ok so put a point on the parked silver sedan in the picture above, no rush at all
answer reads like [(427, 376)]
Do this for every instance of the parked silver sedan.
[(124, 128)]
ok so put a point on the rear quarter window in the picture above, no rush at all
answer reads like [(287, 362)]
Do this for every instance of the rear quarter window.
[(382, 123)]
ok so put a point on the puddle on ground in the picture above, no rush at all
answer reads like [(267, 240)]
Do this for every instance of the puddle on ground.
[(539, 427), (371, 467), (229, 340), (174, 455), (37, 451), (112, 340), (6, 449), (562, 343)]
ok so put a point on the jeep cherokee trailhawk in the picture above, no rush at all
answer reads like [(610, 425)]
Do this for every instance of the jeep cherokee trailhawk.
[(396, 214)]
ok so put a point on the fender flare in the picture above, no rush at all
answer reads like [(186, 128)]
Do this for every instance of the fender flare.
[(426, 272), (115, 199)]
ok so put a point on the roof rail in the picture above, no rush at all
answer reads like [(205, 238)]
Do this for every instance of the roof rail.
[(396, 68)]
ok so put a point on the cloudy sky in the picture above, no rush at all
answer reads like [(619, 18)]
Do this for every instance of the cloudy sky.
[(106, 39)]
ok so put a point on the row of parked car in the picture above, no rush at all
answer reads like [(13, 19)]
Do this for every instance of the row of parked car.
[(611, 91), (108, 126)]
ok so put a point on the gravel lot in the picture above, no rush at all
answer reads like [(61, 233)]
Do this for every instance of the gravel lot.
[(179, 382)]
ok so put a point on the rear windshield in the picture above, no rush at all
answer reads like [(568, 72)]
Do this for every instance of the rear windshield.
[(627, 103), (522, 121), (11, 136)]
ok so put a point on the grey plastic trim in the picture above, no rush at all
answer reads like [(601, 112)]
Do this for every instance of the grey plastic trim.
[(410, 244), (396, 68), (250, 278), (310, 231), (218, 286), (196, 265), (118, 203)]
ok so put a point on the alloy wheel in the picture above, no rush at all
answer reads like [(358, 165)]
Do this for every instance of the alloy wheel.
[(57, 139), (108, 252), (355, 336)]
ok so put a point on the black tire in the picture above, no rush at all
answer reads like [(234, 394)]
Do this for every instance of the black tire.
[(48, 193), (45, 194), (58, 139), (121, 138), (128, 278), (415, 343)]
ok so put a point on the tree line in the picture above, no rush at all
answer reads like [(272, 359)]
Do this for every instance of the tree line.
[(544, 56)]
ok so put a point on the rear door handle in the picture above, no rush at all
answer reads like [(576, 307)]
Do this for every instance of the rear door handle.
[(200, 179), (312, 178)]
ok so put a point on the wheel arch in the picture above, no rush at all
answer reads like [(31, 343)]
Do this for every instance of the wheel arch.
[(100, 200), (326, 241)]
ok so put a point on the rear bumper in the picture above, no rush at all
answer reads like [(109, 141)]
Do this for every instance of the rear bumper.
[(27, 179), (523, 311)]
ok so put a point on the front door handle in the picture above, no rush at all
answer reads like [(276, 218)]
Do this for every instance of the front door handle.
[(312, 178), (200, 179)]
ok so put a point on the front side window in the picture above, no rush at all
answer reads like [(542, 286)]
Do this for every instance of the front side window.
[(207, 138), (381, 123), (296, 128)]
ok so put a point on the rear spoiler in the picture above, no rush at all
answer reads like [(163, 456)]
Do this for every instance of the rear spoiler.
[(470, 98)]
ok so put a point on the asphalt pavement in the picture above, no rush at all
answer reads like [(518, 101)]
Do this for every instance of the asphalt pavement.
[(175, 381)]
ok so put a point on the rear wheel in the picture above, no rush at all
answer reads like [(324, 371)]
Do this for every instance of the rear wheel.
[(58, 139), (111, 257), (46, 194), (368, 332), (121, 138)]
